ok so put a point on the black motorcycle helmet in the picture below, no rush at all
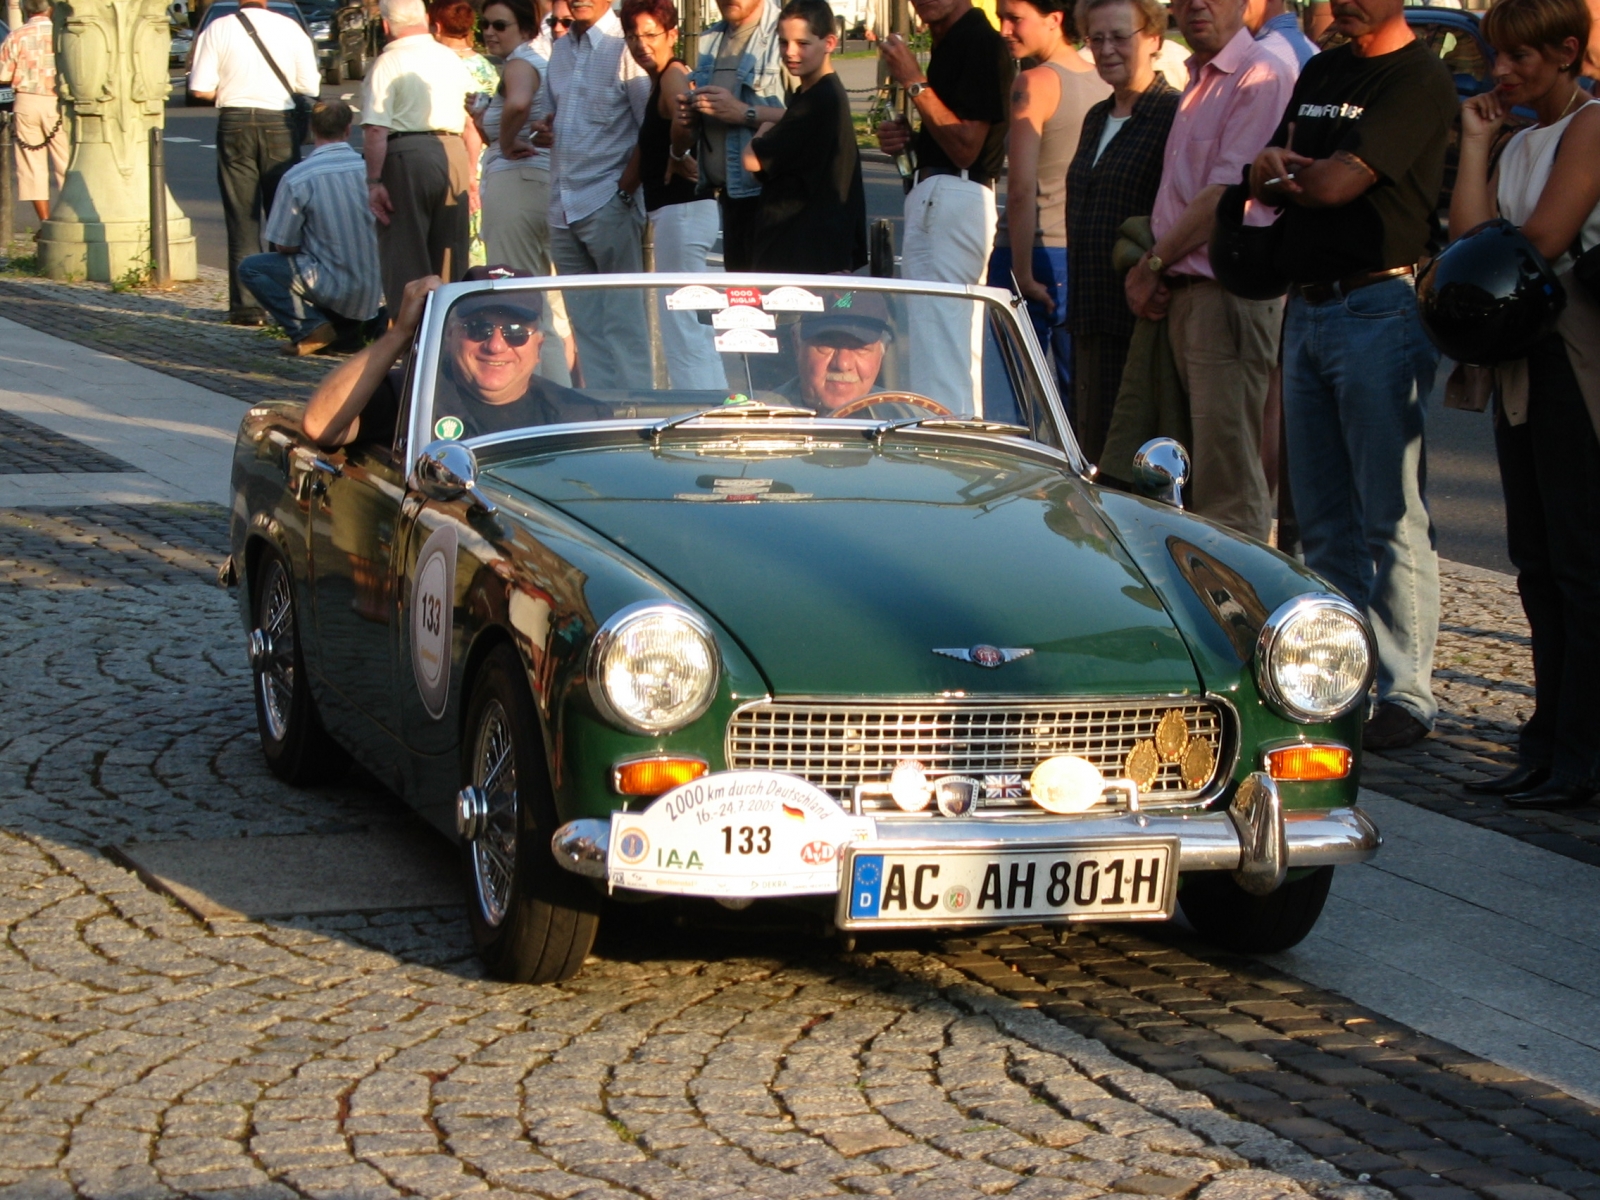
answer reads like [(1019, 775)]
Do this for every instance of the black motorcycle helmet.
[(1489, 296), (1244, 258)]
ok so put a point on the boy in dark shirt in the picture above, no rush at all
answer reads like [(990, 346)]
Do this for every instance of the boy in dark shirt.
[(813, 212), (1356, 165)]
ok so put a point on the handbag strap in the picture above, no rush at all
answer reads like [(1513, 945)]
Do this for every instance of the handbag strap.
[(265, 53)]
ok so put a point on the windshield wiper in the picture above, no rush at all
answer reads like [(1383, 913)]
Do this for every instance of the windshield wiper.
[(885, 428), (738, 412)]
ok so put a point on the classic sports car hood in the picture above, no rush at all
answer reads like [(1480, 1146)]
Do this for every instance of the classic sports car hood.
[(842, 570)]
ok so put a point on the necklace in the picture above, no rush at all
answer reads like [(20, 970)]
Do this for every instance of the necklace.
[(1571, 100)]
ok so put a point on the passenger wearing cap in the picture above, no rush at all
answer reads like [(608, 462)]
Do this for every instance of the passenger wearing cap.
[(486, 378), (839, 354)]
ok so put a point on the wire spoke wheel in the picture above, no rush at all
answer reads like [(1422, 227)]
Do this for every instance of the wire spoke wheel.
[(276, 679), (494, 852), (532, 921), (297, 747)]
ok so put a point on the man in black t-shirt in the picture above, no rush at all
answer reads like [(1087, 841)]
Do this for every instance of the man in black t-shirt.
[(1356, 165), (960, 151), (489, 353)]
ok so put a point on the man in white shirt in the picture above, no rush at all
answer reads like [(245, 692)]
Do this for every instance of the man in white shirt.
[(257, 136), (419, 148), (599, 94)]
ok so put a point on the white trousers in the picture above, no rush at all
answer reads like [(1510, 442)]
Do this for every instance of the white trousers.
[(684, 234), (949, 235)]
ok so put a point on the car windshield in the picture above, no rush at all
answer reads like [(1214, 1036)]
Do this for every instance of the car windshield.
[(520, 357)]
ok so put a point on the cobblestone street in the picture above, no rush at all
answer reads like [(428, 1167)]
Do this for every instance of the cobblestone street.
[(147, 1053)]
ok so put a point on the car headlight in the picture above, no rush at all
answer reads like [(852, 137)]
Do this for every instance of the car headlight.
[(653, 667), (1314, 660)]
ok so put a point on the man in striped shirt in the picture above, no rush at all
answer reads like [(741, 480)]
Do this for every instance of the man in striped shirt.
[(321, 282)]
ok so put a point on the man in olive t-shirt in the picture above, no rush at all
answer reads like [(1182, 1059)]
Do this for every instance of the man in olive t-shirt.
[(1356, 166)]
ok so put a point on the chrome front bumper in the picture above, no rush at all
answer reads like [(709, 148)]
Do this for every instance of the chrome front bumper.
[(1254, 837)]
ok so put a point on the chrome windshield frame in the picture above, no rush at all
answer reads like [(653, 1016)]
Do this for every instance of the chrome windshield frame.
[(431, 332)]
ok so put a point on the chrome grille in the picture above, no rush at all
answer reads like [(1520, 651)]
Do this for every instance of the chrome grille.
[(838, 745)]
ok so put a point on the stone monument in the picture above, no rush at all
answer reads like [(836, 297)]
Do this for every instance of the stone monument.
[(111, 75)]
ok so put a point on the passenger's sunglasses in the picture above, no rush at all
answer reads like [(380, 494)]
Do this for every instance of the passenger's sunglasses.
[(481, 329), (498, 26), (561, 22)]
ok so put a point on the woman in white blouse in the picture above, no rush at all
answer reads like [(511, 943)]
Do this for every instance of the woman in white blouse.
[(1547, 412)]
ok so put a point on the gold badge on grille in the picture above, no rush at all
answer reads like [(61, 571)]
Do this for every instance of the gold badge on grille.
[(1199, 760), (1172, 736), (1142, 763)]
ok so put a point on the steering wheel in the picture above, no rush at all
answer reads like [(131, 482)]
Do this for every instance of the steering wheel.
[(911, 398)]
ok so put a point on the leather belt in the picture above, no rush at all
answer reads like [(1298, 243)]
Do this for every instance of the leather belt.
[(1321, 293), (929, 172), (423, 133), (1179, 282)]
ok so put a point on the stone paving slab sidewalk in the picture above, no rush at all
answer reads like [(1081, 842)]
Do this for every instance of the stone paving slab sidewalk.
[(144, 1053)]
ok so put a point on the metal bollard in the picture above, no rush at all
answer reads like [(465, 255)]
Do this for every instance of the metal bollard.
[(8, 187), (160, 258)]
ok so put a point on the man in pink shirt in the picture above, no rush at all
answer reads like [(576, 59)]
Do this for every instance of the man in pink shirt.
[(1225, 347)]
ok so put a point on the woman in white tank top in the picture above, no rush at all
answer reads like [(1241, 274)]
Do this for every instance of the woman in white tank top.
[(1548, 183)]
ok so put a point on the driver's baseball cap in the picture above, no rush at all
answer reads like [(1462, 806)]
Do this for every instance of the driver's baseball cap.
[(527, 303), (859, 313)]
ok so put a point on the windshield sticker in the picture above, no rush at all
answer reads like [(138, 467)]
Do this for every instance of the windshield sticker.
[(742, 317), (432, 615), (746, 341), (696, 296), (448, 428), (789, 298), (744, 295)]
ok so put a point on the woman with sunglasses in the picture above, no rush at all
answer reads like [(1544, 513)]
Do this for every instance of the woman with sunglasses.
[(516, 172), (683, 227), (453, 23)]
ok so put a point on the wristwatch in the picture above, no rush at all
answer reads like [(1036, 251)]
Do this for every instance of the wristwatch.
[(750, 118), (625, 196), (1155, 264), (371, 182), (916, 89)]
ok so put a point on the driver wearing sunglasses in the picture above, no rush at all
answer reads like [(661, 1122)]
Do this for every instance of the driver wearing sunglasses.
[(490, 351)]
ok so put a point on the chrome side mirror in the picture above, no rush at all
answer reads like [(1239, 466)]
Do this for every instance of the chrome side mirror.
[(446, 470), (1160, 469)]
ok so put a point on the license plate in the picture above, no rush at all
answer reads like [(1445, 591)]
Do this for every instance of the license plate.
[(1134, 879)]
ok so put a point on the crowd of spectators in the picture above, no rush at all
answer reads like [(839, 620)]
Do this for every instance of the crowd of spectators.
[(1114, 161)]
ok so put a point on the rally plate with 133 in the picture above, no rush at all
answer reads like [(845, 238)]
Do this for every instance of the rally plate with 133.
[(1107, 880)]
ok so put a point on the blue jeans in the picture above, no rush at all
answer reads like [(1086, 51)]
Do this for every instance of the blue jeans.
[(1050, 269), (1352, 407), (271, 278)]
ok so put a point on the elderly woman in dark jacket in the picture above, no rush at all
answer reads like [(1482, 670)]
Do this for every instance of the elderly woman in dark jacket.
[(1113, 176)]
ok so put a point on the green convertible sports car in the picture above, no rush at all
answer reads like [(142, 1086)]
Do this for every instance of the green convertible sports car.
[(793, 589)]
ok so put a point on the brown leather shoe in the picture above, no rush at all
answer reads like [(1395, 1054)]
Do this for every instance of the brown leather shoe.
[(321, 337), (1392, 728)]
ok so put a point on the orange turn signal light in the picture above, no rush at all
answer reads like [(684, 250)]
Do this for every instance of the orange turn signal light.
[(1308, 763), (653, 776)]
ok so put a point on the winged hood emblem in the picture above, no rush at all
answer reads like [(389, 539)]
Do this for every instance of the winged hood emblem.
[(986, 656)]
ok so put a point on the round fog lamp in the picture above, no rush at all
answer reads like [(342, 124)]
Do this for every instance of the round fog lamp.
[(1066, 784), (1314, 661)]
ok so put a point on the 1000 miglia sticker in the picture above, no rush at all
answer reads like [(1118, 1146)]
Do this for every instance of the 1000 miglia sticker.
[(433, 591)]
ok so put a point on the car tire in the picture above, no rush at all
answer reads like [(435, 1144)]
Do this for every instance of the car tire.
[(297, 748), (1224, 913), (333, 72), (532, 921)]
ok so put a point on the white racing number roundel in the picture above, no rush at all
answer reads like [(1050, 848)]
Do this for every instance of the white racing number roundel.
[(432, 608)]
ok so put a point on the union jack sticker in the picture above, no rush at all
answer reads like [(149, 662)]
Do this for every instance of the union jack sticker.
[(1002, 787)]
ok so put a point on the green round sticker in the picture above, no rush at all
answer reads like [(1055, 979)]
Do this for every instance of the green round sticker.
[(448, 428)]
